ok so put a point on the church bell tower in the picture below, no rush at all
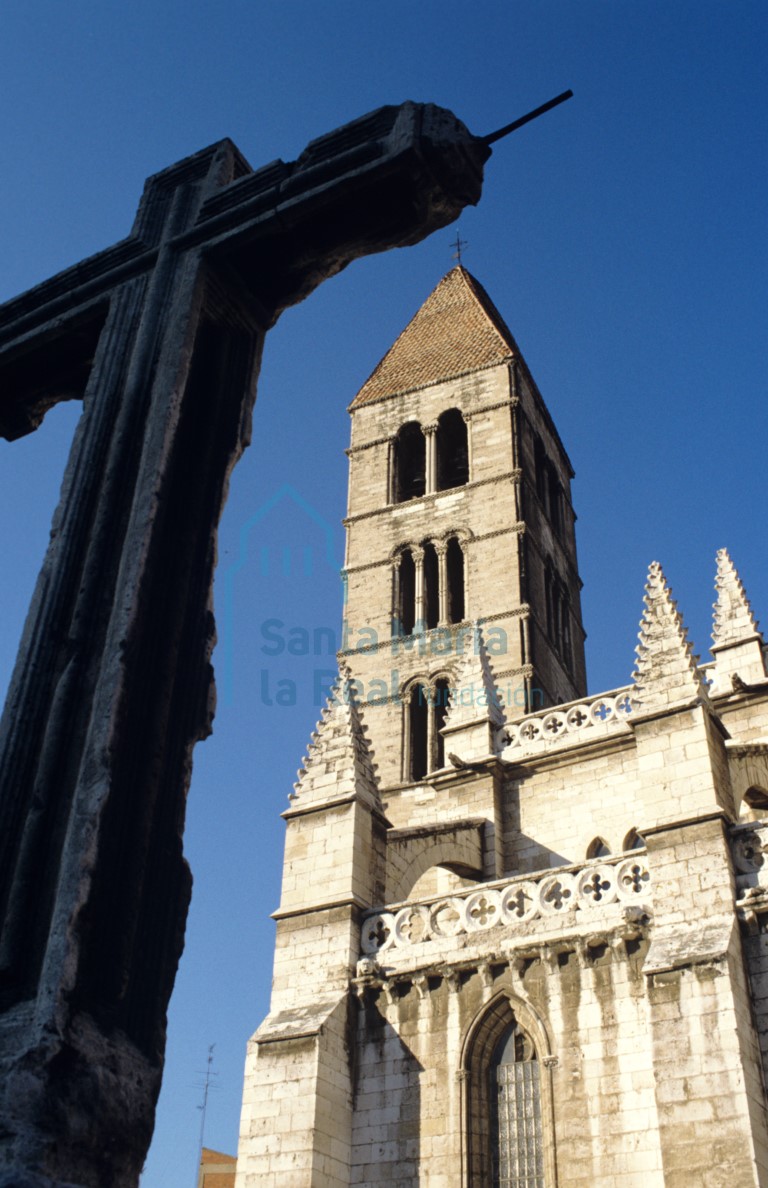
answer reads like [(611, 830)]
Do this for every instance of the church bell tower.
[(462, 612), (460, 514)]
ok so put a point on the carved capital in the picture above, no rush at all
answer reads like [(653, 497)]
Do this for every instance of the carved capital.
[(429, 429)]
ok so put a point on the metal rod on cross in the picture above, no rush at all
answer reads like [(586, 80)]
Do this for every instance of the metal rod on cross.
[(161, 336), (492, 137)]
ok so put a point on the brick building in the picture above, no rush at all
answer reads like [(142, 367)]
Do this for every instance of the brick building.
[(520, 939), (216, 1169)]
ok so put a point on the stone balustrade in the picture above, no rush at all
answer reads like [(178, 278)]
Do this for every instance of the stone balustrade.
[(574, 722), (511, 904)]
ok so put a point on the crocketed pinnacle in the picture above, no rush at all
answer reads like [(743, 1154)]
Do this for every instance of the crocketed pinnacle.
[(473, 693), (457, 330), (666, 670), (733, 618), (338, 761)]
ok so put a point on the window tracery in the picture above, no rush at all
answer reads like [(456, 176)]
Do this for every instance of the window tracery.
[(516, 1138), (507, 1109)]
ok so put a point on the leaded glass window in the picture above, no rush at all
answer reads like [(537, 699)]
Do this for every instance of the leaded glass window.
[(515, 1102)]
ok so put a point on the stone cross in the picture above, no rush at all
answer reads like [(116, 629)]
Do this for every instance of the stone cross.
[(161, 335)]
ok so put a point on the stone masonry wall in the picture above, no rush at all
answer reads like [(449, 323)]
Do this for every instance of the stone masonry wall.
[(597, 1094)]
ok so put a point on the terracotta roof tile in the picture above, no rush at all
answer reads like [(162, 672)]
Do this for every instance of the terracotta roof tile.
[(457, 330)]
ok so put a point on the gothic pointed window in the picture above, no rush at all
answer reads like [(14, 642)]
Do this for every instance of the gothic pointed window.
[(454, 569), (452, 450), (410, 461), (515, 1100), (598, 848), (508, 1118)]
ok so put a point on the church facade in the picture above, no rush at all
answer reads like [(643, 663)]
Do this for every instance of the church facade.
[(521, 939)]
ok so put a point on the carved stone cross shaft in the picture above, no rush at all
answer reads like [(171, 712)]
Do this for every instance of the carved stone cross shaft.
[(162, 336)]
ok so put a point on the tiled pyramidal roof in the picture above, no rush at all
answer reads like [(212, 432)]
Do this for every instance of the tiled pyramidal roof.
[(457, 330)]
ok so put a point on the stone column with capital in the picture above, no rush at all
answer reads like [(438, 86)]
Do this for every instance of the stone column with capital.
[(430, 433)]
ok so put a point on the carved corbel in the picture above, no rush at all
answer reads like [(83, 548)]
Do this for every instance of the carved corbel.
[(451, 979), (550, 957), (421, 985)]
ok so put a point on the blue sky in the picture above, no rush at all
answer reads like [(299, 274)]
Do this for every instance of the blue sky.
[(623, 238)]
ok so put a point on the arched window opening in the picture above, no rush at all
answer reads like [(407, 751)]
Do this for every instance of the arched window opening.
[(452, 450), (634, 841), (441, 698), (454, 568), (540, 466), (431, 587), (549, 600), (565, 627), (554, 498), (427, 709), (418, 723), (516, 1138), (410, 461), (507, 1111), (557, 609), (598, 848), (406, 604)]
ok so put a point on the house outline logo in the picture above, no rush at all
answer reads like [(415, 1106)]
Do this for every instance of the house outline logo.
[(230, 574)]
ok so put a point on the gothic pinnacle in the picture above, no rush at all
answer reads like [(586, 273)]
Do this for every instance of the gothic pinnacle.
[(666, 670), (733, 617)]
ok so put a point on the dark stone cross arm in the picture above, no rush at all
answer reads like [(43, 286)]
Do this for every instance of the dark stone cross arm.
[(385, 180), (162, 336)]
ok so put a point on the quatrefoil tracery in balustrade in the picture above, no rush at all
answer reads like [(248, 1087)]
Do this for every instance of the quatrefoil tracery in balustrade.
[(563, 893)]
